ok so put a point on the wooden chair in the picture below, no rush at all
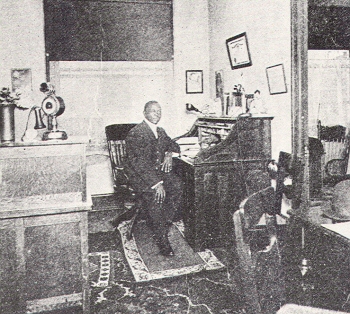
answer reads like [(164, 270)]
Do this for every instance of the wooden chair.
[(258, 231), (259, 261), (337, 147), (336, 169), (116, 134)]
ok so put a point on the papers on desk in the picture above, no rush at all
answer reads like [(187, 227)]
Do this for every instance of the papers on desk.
[(190, 151), (189, 146), (187, 140), (342, 228)]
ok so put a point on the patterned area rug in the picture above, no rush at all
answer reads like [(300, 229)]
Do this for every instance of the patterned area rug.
[(115, 290), (108, 267), (147, 264)]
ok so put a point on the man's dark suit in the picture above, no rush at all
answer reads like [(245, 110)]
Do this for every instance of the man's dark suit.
[(145, 155)]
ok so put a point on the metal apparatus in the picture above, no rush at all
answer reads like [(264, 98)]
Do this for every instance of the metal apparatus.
[(52, 106)]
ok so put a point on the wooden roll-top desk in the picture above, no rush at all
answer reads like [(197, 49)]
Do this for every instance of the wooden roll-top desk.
[(43, 226), (215, 176)]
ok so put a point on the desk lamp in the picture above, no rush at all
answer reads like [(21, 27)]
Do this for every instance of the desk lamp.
[(52, 106)]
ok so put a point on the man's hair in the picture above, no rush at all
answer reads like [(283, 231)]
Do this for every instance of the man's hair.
[(149, 104)]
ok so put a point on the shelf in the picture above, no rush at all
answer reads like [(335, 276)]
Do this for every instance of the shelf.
[(227, 127)]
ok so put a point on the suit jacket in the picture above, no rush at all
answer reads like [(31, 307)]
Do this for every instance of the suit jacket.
[(145, 155)]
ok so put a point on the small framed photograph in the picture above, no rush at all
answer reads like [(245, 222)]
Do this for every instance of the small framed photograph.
[(276, 79), (238, 51), (194, 82), (21, 80)]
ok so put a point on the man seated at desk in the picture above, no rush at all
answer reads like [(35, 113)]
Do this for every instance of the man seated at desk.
[(149, 167)]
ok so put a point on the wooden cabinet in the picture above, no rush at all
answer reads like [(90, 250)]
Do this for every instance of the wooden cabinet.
[(215, 180), (43, 227)]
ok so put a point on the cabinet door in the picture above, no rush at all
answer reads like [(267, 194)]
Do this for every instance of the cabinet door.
[(11, 266), (55, 252), (10, 239)]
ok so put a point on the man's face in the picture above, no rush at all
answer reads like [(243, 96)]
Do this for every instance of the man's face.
[(153, 113)]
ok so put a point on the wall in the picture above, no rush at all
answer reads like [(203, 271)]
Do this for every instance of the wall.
[(97, 94), (267, 24), (191, 52), (23, 32), (22, 26)]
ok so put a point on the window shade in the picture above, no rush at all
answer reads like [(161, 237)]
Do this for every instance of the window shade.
[(108, 30)]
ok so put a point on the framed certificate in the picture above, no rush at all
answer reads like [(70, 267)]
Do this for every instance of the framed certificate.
[(238, 51)]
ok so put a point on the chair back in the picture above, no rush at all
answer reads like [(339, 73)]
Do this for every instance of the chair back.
[(116, 134), (334, 133), (256, 205), (336, 146), (259, 265)]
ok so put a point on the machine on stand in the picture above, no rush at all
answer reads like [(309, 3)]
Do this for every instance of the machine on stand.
[(52, 106)]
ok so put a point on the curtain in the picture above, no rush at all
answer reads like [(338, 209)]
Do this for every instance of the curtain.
[(329, 97)]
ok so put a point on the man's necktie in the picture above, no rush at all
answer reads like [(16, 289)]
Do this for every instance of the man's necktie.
[(158, 131)]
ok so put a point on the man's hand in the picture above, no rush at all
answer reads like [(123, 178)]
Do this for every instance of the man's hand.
[(167, 164), (160, 193)]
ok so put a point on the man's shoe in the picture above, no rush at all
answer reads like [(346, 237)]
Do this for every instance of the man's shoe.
[(123, 217), (166, 251), (164, 246)]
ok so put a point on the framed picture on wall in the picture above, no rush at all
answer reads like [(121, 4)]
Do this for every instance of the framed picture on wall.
[(238, 51), (194, 82), (21, 81), (276, 79)]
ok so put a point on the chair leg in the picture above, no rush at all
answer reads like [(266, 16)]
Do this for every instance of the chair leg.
[(127, 215), (246, 268)]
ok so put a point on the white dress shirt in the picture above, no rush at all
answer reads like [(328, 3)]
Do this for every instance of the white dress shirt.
[(153, 127)]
